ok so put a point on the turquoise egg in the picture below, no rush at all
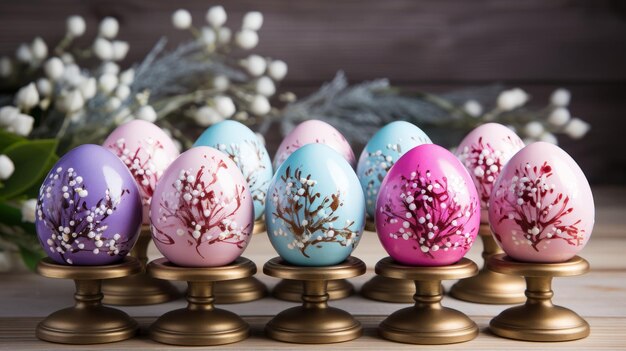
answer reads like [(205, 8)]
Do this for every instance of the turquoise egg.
[(315, 212), (244, 148), (381, 152)]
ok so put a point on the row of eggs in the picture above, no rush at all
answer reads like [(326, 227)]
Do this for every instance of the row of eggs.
[(427, 203)]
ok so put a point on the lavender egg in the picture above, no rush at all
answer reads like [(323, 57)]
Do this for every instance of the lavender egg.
[(88, 208)]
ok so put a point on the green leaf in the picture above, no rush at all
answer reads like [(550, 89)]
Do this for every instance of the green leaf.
[(31, 159), (33, 191), (7, 139), (31, 258)]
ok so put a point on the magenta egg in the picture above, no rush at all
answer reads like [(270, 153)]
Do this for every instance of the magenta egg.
[(541, 208), (313, 131), (484, 151), (147, 151), (427, 211), (202, 211)]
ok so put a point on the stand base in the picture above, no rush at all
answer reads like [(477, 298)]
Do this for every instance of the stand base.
[(428, 326), (540, 323), (239, 290), (136, 290), (199, 328), (385, 289), (291, 290), (91, 325), (313, 326), (490, 288)]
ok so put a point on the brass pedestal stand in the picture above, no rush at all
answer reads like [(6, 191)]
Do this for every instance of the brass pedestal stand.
[(538, 319), (241, 290), (314, 322), (488, 286), (139, 289), (87, 322), (291, 290), (200, 323), (427, 322)]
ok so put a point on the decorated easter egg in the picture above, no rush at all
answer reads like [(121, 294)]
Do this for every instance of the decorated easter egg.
[(541, 208), (88, 208), (316, 209), (147, 151), (427, 211), (246, 150), (381, 152), (310, 132), (202, 212), (484, 152)]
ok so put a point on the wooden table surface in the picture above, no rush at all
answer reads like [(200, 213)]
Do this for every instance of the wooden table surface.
[(597, 296)]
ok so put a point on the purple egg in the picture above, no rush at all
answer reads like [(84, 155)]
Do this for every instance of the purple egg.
[(88, 208)]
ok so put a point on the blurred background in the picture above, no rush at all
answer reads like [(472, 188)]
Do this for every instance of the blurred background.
[(435, 46)]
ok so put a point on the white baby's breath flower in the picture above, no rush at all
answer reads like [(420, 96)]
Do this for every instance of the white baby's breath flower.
[(147, 113), (22, 125), (23, 53), (577, 128), (6, 67), (122, 92), (127, 77), (88, 88), (27, 97), (473, 108), (549, 138), (54, 68), (29, 207), (44, 87), (6, 167), (216, 16), (560, 97), (260, 106), (224, 106), (265, 86), (72, 75), (559, 116), (255, 65), (75, 26), (252, 20), (533, 129), (108, 83), (208, 36), (181, 19), (221, 83), (109, 27), (511, 99), (110, 68), (8, 115), (67, 58), (206, 116), (103, 49), (114, 103), (72, 101), (277, 69), (223, 35), (120, 49), (247, 39), (39, 49)]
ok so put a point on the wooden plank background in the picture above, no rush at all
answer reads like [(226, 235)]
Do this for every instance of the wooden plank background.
[(430, 45)]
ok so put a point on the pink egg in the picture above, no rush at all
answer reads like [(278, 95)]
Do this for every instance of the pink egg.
[(484, 151), (314, 131), (427, 211), (541, 209), (147, 151), (202, 211)]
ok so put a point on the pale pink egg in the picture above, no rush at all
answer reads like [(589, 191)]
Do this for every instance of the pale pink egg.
[(484, 152), (427, 211), (202, 211), (313, 131), (541, 208), (147, 152)]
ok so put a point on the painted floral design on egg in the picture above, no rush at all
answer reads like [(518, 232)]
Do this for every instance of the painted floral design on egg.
[(88, 217), (310, 132), (426, 212), (204, 212)]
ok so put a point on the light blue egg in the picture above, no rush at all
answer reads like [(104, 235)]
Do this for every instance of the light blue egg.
[(315, 211), (381, 152), (244, 148)]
